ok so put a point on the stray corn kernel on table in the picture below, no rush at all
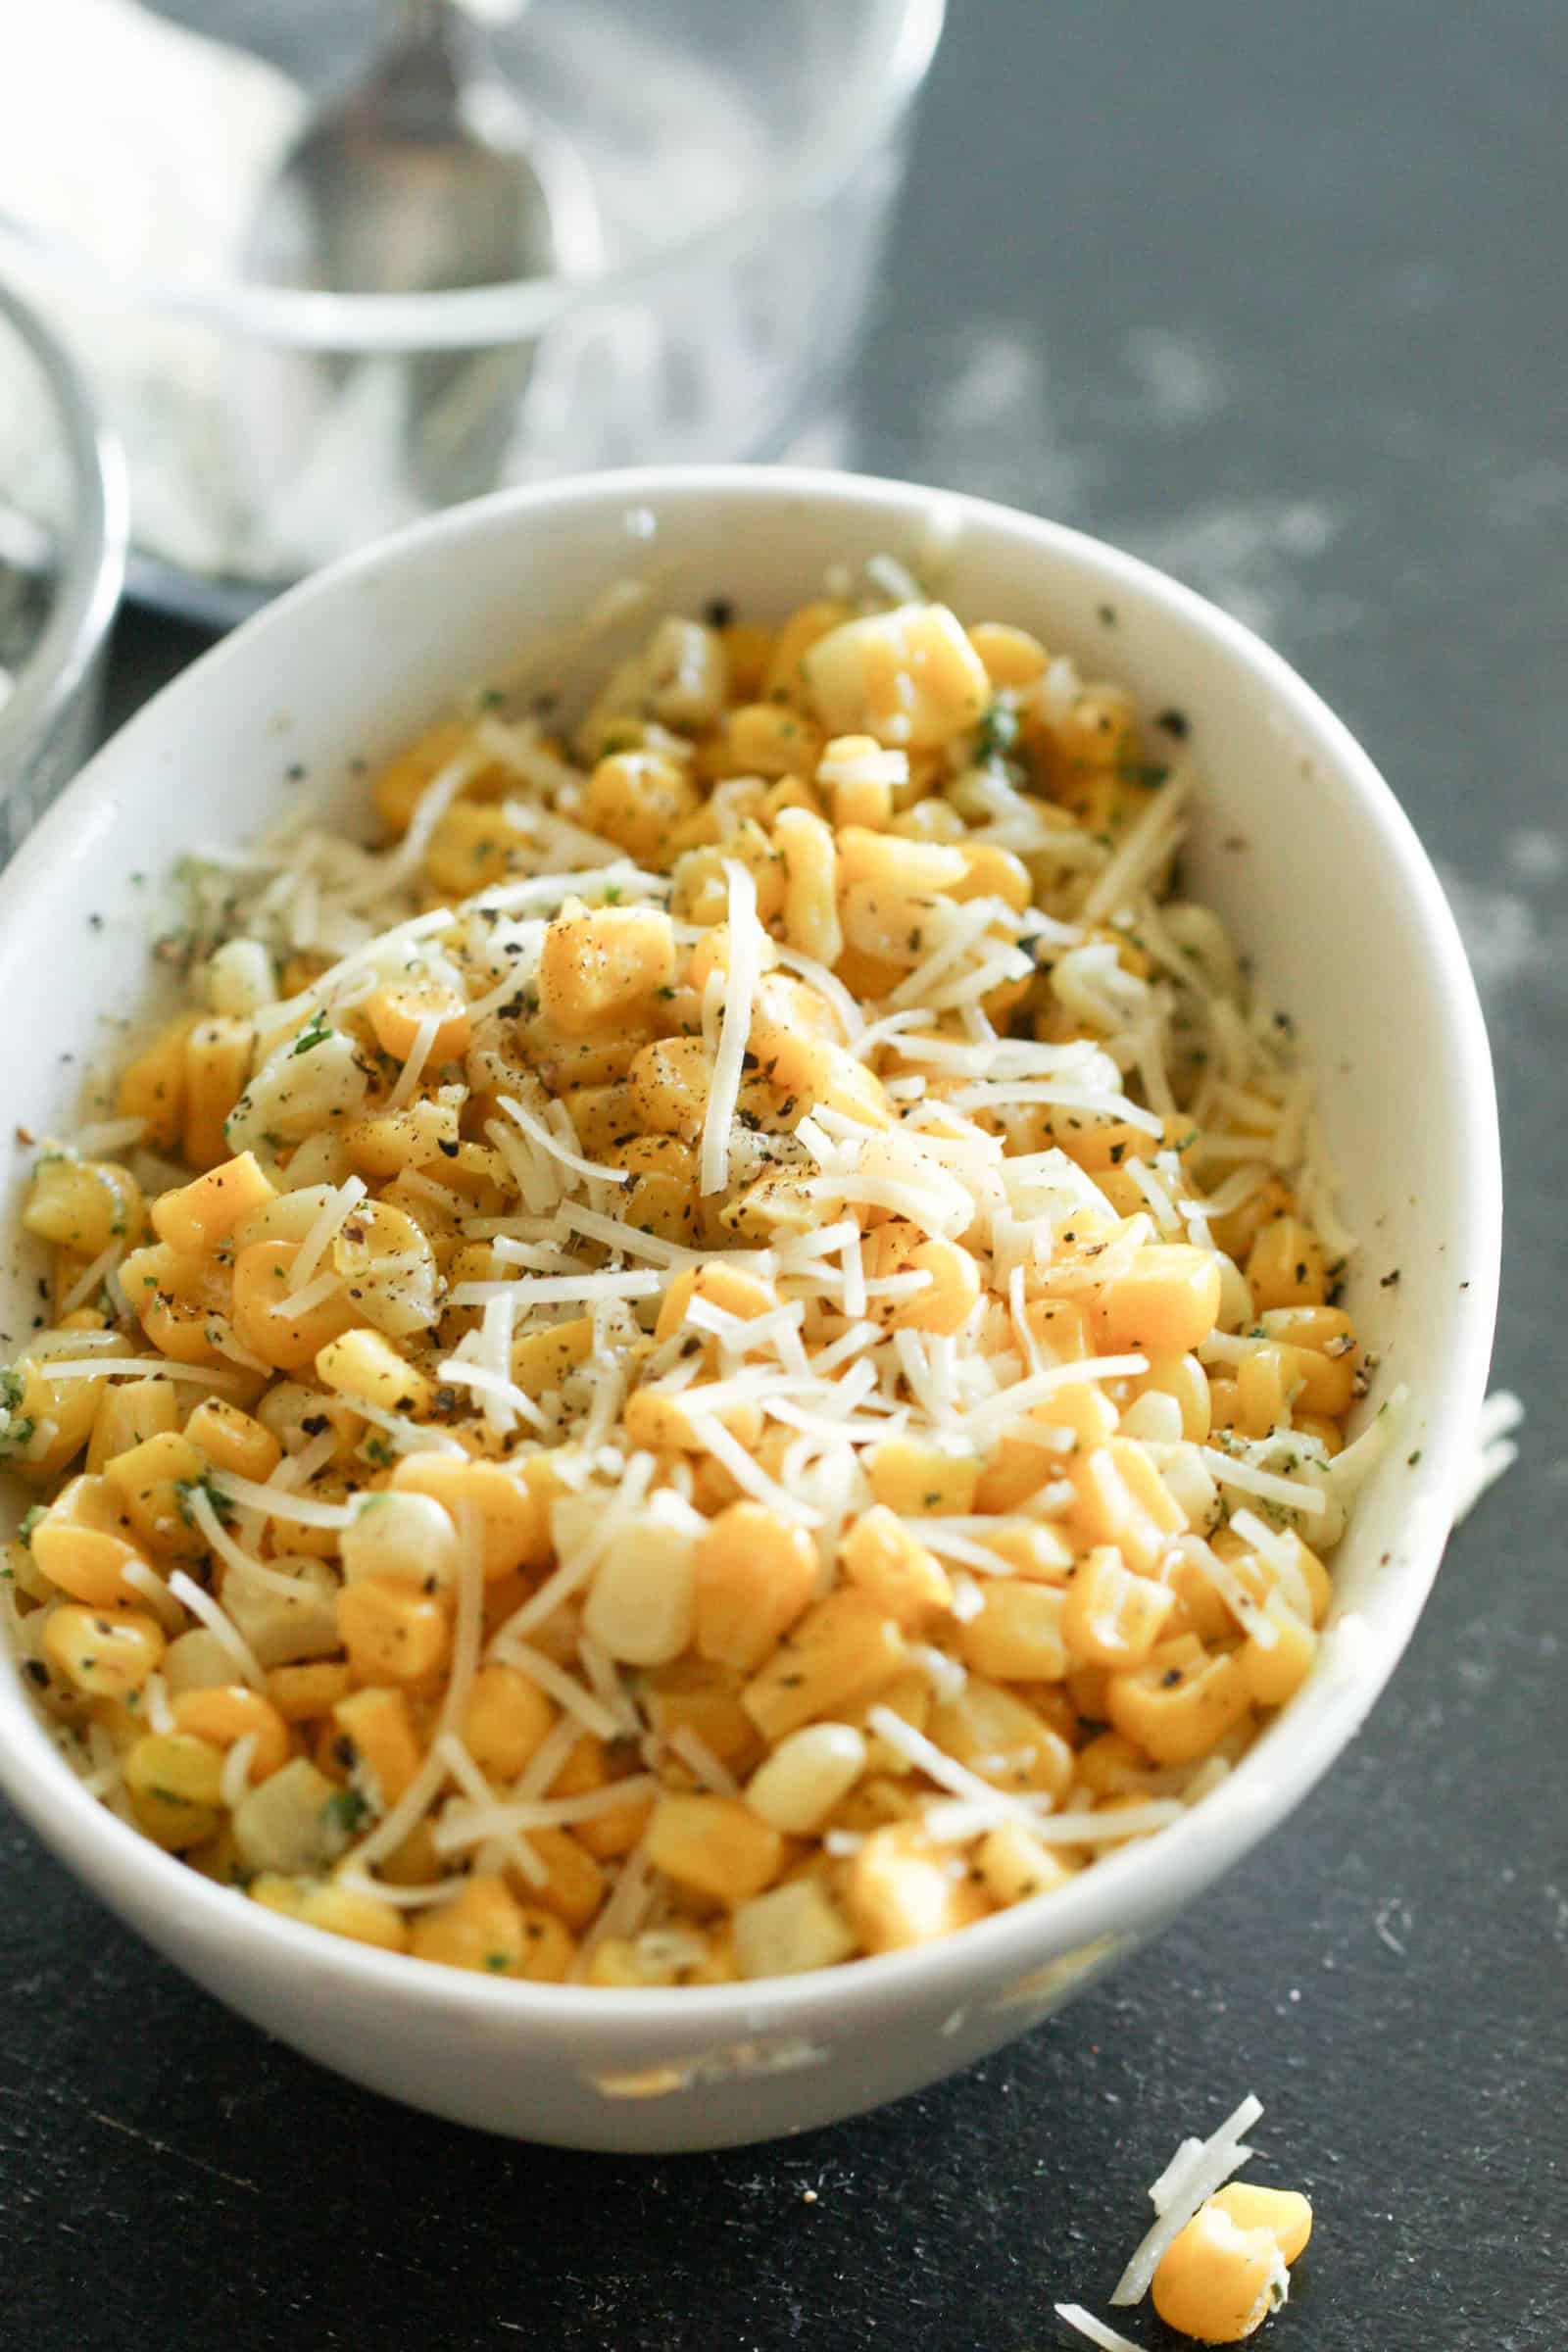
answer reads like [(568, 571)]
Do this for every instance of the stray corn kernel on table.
[(1257, 314)]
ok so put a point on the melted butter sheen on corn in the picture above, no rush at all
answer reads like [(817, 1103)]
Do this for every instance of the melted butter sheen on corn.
[(723, 1356)]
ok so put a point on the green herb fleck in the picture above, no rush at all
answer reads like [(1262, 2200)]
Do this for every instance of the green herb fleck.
[(315, 1032)]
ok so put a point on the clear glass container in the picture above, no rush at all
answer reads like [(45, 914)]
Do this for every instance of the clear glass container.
[(62, 567), (742, 161)]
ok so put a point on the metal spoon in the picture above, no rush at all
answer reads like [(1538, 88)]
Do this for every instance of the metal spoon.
[(428, 174)]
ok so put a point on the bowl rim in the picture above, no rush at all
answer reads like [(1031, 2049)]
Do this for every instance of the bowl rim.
[(1124, 1892), (92, 578), (865, 114)]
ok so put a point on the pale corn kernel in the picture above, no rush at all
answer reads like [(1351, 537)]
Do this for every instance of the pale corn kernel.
[(202, 1214), (233, 1441), (1012, 658), (1180, 1702), (513, 1530), (392, 1632), (229, 1712), (390, 1142), (175, 1299), (1016, 1636), (217, 1061), (151, 1484), (282, 1335), (641, 1606), (1014, 1865), (404, 1536), (506, 1721), (293, 1822), (196, 1661), (790, 1930), (378, 1729), (893, 1569), (1219, 2281), (669, 1087), (360, 1364), (82, 1204), (913, 1478), (841, 1651), (637, 799), (597, 966), (811, 883), (754, 1575), (1110, 1616), (399, 1011), (713, 1847), (1167, 1303), (899, 1890), (127, 1415), (86, 1542), (807, 1774), (103, 1653), (1287, 1266), (542, 1360)]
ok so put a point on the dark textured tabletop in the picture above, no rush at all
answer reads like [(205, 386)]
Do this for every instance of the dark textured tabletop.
[(1275, 296)]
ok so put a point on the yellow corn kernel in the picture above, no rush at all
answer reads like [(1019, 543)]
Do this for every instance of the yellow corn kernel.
[(287, 1337), (1011, 657), (86, 1542), (362, 1364), (301, 1694), (1274, 1672), (747, 648), (662, 1197), (993, 874), (345, 1911), (1329, 1435), (770, 738), (1111, 1617), (504, 1722), (381, 1738), (754, 1576), (233, 1441), (810, 885), (391, 1142), (175, 1300), (1262, 1391), (1182, 1377), (1282, 2212), (843, 1651), (913, 1478), (472, 846), (592, 1765), (1122, 1499), (398, 788), (514, 1530), (910, 677), (1003, 1738), (724, 1287), (951, 1292), (1304, 1585), (400, 1011), (200, 1215), (386, 1262), (103, 1652), (637, 799), (217, 1062), (151, 1483), (1012, 1865), (483, 1929), (599, 966), (893, 1569), (128, 1414), (230, 1712), (860, 778), (392, 1632), (662, 1424), (1315, 1330), (1180, 1702), (1287, 1266), (807, 1774), (542, 1360), (773, 1209), (152, 1087), (782, 680), (669, 1087), (901, 1890), (715, 1846), (600, 1116), (1016, 1635), (174, 1785), (574, 1886), (83, 1205), (1220, 2279), (693, 1695), (1167, 1303)]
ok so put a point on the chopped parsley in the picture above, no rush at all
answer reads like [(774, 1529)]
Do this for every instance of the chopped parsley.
[(318, 1029), (346, 1811)]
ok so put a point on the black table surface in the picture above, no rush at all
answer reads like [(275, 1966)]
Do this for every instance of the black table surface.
[(1274, 296)]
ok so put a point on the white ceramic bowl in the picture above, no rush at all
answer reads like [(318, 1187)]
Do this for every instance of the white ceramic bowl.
[(1301, 844)]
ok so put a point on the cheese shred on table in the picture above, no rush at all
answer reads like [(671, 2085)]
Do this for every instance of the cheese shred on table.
[(722, 1353)]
